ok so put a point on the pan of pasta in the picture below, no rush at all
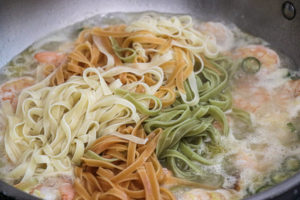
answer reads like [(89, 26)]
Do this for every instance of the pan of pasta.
[(151, 105)]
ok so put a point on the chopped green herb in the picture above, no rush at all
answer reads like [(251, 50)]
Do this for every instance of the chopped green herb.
[(80, 29), (291, 126), (251, 65), (293, 75)]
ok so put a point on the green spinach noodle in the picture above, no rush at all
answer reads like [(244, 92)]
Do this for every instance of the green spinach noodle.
[(189, 134)]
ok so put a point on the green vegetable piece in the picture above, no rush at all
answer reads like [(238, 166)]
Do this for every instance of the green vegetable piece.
[(291, 126), (251, 65), (291, 164), (294, 75), (80, 29)]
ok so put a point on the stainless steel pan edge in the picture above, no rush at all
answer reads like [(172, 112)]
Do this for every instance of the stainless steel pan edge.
[(23, 22)]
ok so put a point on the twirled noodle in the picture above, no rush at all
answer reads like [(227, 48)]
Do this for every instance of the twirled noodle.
[(187, 44), (155, 72), (187, 130), (180, 29), (114, 168), (53, 125), (169, 43)]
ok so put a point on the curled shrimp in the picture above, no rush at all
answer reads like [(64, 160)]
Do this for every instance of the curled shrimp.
[(290, 89), (295, 85), (247, 94), (66, 191), (284, 95), (268, 58), (10, 90), (49, 57), (222, 34), (250, 98), (245, 160), (63, 187)]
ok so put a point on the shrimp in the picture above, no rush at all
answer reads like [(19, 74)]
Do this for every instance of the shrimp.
[(49, 57), (296, 87), (222, 34), (55, 187), (10, 90), (247, 94), (66, 191), (292, 88), (268, 58), (250, 98), (245, 160)]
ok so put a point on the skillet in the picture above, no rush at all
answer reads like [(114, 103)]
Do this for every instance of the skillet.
[(23, 22)]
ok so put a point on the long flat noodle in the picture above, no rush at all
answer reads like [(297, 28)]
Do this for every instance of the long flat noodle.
[(183, 126), (176, 78), (91, 155), (80, 189), (131, 138), (101, 32), (153, 180), (104, 47), (146, 181), (187, 129), (89, 51), (143, 39), (241, 115), (159, 35), (216, 84), (53, 125), (131, 178), (101, 163), (179, 29), (140, 161), (181, 35), (137, 99), (191, 172), (118, 50), (191, 97), (155, 71), (166, 95), (156, 60)]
